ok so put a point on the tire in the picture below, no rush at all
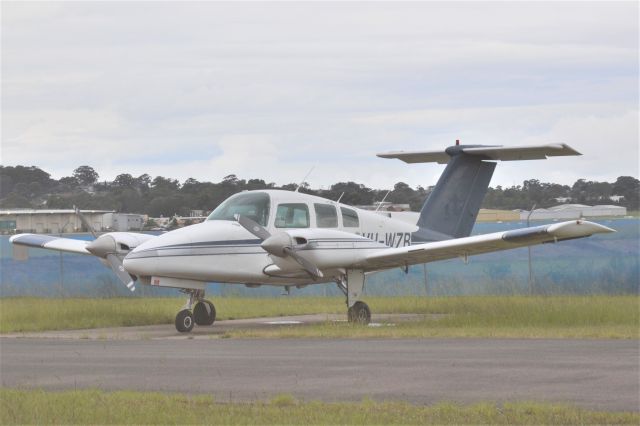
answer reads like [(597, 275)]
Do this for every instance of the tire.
[(204, 313), (184, 321), (359, 313)]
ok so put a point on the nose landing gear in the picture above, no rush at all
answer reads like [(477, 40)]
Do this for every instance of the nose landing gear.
[(204, 313), (184, 321), (197, 310)]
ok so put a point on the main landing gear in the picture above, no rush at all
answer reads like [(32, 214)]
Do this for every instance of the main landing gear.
[(359, 313), (197, 310), (352, 285)]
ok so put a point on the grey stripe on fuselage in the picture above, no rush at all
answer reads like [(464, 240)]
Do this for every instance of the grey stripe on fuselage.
[(231, 247)]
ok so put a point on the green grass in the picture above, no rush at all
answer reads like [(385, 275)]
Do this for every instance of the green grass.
[(99, 407), (39, 314), (467, 316), (615, 317)]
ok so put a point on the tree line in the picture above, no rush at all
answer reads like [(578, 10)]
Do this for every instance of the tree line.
[(32, 187)]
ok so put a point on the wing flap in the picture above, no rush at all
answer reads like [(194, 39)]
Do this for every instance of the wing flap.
[(49, 242), (478, 244)]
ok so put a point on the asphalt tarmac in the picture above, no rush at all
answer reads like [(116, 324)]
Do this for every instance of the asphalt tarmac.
[(595, 374)]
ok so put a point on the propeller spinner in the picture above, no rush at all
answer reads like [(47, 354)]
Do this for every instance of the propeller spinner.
[(106, 247), (280, 244)]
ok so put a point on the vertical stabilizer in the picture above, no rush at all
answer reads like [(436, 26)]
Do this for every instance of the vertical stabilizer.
[(451, 209)]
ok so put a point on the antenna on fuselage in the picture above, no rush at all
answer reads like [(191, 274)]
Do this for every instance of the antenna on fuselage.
[(383, 198), (304, 178)]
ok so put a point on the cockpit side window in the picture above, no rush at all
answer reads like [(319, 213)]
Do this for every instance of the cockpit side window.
[(294, 215), (349, 218), (254, 205), (326, 216)]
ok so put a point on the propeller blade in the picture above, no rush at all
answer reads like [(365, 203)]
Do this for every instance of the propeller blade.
[(253, 227), (85, 222), (116, 265), (306, 265), (277, 245)]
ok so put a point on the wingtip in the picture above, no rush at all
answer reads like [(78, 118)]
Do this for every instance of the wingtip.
[(578, 228), (598, 228), (568, 149), (388, 154), (16, 236)]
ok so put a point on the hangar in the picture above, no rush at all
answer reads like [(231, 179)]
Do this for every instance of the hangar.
[(575, 211), (56, 221), (484, 215)]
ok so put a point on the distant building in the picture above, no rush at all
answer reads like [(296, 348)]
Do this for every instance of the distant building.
[(574, 211), (386, 206), (490, 215), (124, 221), (53, 221), (562, 199), (58, 221), (163, 222), (485, 215)]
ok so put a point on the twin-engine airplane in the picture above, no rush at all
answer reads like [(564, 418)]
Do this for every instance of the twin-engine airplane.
[(273, 237)]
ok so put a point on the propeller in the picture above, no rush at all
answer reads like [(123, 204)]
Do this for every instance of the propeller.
[(106, 247), (280, 245), (85, 222)]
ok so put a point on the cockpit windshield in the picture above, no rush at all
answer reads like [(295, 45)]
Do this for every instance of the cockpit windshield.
[(254, 205)]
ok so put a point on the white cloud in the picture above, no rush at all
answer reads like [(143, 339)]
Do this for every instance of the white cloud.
[(268, 90)]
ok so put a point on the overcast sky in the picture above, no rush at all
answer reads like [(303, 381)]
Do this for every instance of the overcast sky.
[(269, 90)]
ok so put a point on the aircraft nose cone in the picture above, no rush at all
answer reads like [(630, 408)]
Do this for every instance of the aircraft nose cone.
[(140, 262)]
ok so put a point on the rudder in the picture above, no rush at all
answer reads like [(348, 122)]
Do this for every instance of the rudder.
[(451, 209)]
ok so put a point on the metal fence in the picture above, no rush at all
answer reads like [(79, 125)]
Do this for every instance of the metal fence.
[(606, 263)]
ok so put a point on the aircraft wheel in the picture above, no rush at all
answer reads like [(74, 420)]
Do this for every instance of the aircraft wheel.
[(204, 313), (359, 313), (184, 321)]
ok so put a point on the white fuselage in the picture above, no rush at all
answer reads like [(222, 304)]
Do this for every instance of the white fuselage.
[(223, 251)]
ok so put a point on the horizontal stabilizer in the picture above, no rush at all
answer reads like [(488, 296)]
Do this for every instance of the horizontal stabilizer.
[(498, 152)]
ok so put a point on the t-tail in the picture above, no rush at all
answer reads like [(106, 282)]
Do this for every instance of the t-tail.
[(450, 211)]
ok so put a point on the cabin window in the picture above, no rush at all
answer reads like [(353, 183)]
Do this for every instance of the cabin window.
[(254, 205), (349, 218), (292, 216), (326, 216)]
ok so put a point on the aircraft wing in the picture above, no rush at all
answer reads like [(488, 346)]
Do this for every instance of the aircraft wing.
[(477, 244), (125, 241), (69, 245)]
